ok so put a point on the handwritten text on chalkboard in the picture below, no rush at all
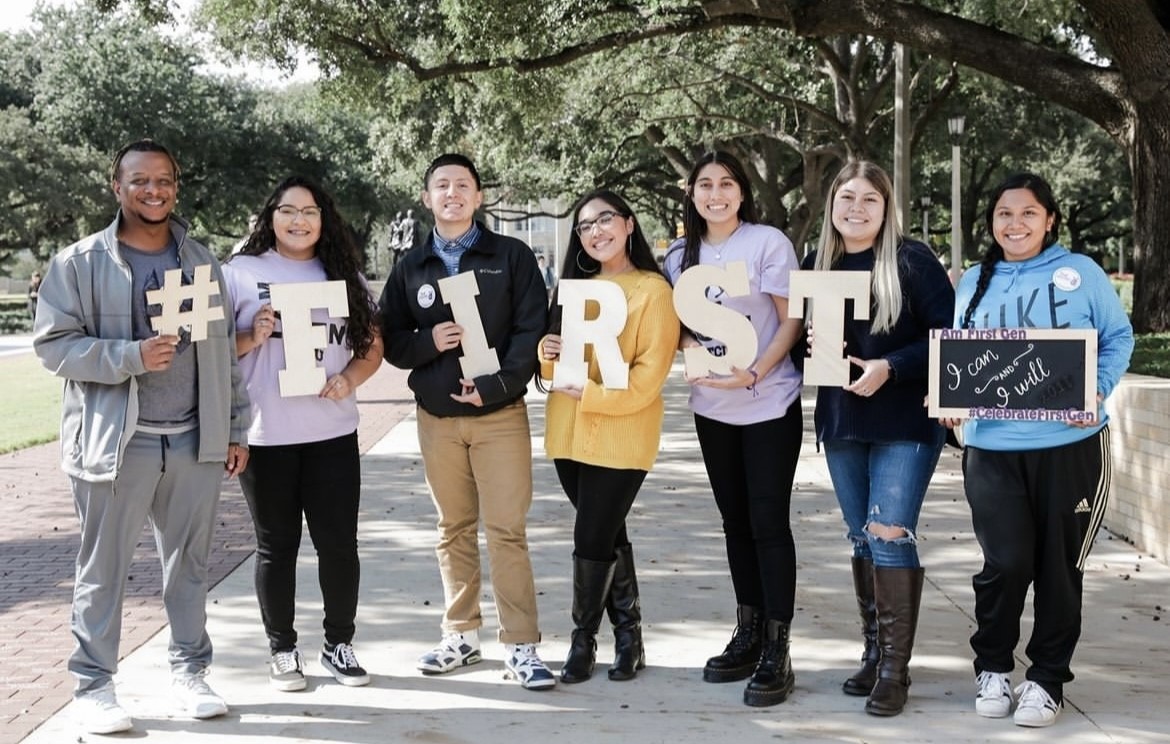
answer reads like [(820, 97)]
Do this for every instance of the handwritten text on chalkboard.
[(1021, 374)]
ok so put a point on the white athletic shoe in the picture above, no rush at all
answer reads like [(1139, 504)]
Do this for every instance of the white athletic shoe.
[(995, 695), (98, 712), (1036, 708), (195, 698), (454, 651)]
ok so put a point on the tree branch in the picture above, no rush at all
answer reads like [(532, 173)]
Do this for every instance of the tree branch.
[(389, 54)]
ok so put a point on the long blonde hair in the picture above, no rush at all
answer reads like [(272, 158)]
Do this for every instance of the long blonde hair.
[(885, 287)]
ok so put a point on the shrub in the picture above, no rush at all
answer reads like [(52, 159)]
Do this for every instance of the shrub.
[(15, 321)]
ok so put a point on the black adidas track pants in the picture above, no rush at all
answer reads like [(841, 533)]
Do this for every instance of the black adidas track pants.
[(1035, 514)]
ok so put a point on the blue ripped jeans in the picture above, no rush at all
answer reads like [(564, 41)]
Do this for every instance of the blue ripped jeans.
[(882, 483)]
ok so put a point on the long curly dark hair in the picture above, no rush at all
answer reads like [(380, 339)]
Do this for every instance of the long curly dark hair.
[(693, 223), (994, 253), (336, 250), (578, 264)]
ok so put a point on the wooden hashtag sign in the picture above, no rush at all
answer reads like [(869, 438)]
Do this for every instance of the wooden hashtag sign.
[(174, 293)]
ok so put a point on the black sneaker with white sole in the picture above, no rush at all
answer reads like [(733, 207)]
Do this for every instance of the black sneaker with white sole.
[(339, 660)]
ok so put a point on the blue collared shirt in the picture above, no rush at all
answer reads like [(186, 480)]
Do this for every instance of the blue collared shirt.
[(450, 251)]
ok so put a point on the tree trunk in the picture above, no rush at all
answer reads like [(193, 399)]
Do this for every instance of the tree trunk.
[(1149, 159)]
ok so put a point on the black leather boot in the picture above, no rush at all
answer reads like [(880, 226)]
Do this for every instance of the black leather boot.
[(898, 595), (591, 580), (625, 612), (739, 659), (862, 681), (773, 680)]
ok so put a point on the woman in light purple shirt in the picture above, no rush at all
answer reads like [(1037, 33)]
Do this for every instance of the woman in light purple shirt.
[(304, 448), (749, 423)]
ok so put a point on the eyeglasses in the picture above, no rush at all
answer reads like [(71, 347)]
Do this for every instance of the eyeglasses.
[(604, 220), (290, 212)]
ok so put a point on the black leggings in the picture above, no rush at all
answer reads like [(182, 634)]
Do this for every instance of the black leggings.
[(322, 480), (602, 497), (751, 469)]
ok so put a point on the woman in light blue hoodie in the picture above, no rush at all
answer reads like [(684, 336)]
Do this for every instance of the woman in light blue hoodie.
[(1037, 489)]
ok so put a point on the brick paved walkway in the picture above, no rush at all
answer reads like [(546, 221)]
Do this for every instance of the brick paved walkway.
[(38, 544)]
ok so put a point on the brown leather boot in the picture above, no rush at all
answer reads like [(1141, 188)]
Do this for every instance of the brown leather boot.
[(898, 595), (862, 681)]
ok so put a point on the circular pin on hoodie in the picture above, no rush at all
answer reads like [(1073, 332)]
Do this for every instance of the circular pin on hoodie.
[(426, 295), (1066, 278)]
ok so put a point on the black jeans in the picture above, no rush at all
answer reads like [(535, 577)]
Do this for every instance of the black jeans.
[(751, 469), (602, 498), (1035, 514), (321, 480)]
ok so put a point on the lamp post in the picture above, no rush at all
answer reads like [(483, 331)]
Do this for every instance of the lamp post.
[(955, 127), (925, 202)]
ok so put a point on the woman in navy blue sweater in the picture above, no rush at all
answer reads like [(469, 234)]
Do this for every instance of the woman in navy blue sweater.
[(880, 446)]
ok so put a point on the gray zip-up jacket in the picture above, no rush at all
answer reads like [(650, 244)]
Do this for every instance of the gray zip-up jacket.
[(83, 333)]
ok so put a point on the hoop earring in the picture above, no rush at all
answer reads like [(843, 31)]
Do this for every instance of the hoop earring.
[(582, 268)]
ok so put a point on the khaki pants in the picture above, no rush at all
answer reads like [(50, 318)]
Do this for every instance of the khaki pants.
[(481, 466)]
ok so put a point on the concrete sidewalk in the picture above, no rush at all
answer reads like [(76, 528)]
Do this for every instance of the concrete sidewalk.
[(39, 538), (1120, 694), (10, 345)]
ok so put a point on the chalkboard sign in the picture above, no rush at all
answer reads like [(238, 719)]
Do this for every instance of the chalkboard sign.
[(1018, 374)]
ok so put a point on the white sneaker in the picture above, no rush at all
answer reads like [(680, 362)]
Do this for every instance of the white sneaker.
[(286, 671), (98, 712), (1036, 708), (526, 667), (454, 651), (195, 698), (995, 695)]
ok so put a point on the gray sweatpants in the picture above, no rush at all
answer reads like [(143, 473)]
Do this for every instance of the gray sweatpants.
[(159, 480)]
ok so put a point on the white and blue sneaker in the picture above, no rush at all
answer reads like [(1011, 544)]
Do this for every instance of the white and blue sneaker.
[(526, 667), (1036, 708), (454, 651), (994, 699)]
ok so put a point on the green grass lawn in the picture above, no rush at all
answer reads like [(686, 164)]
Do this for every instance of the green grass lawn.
[(30, 408)]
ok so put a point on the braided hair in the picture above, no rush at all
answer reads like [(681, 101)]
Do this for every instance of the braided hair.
[(994, 253), (142, 145)]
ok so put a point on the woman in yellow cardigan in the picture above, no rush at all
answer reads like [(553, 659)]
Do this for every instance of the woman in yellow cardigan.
[(603, 441)]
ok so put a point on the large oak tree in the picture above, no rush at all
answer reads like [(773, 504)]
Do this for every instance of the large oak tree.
[(1108, 60)]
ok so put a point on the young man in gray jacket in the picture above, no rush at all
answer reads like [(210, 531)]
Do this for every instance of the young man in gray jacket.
[(149, 424)]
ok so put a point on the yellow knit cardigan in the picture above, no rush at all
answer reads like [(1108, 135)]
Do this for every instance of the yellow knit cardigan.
[(620, 428)]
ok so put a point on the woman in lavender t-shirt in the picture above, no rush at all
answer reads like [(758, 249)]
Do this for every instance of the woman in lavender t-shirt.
[(749, 423), (304, 451)]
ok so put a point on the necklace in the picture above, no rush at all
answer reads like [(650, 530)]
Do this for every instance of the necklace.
[(717, 247)]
